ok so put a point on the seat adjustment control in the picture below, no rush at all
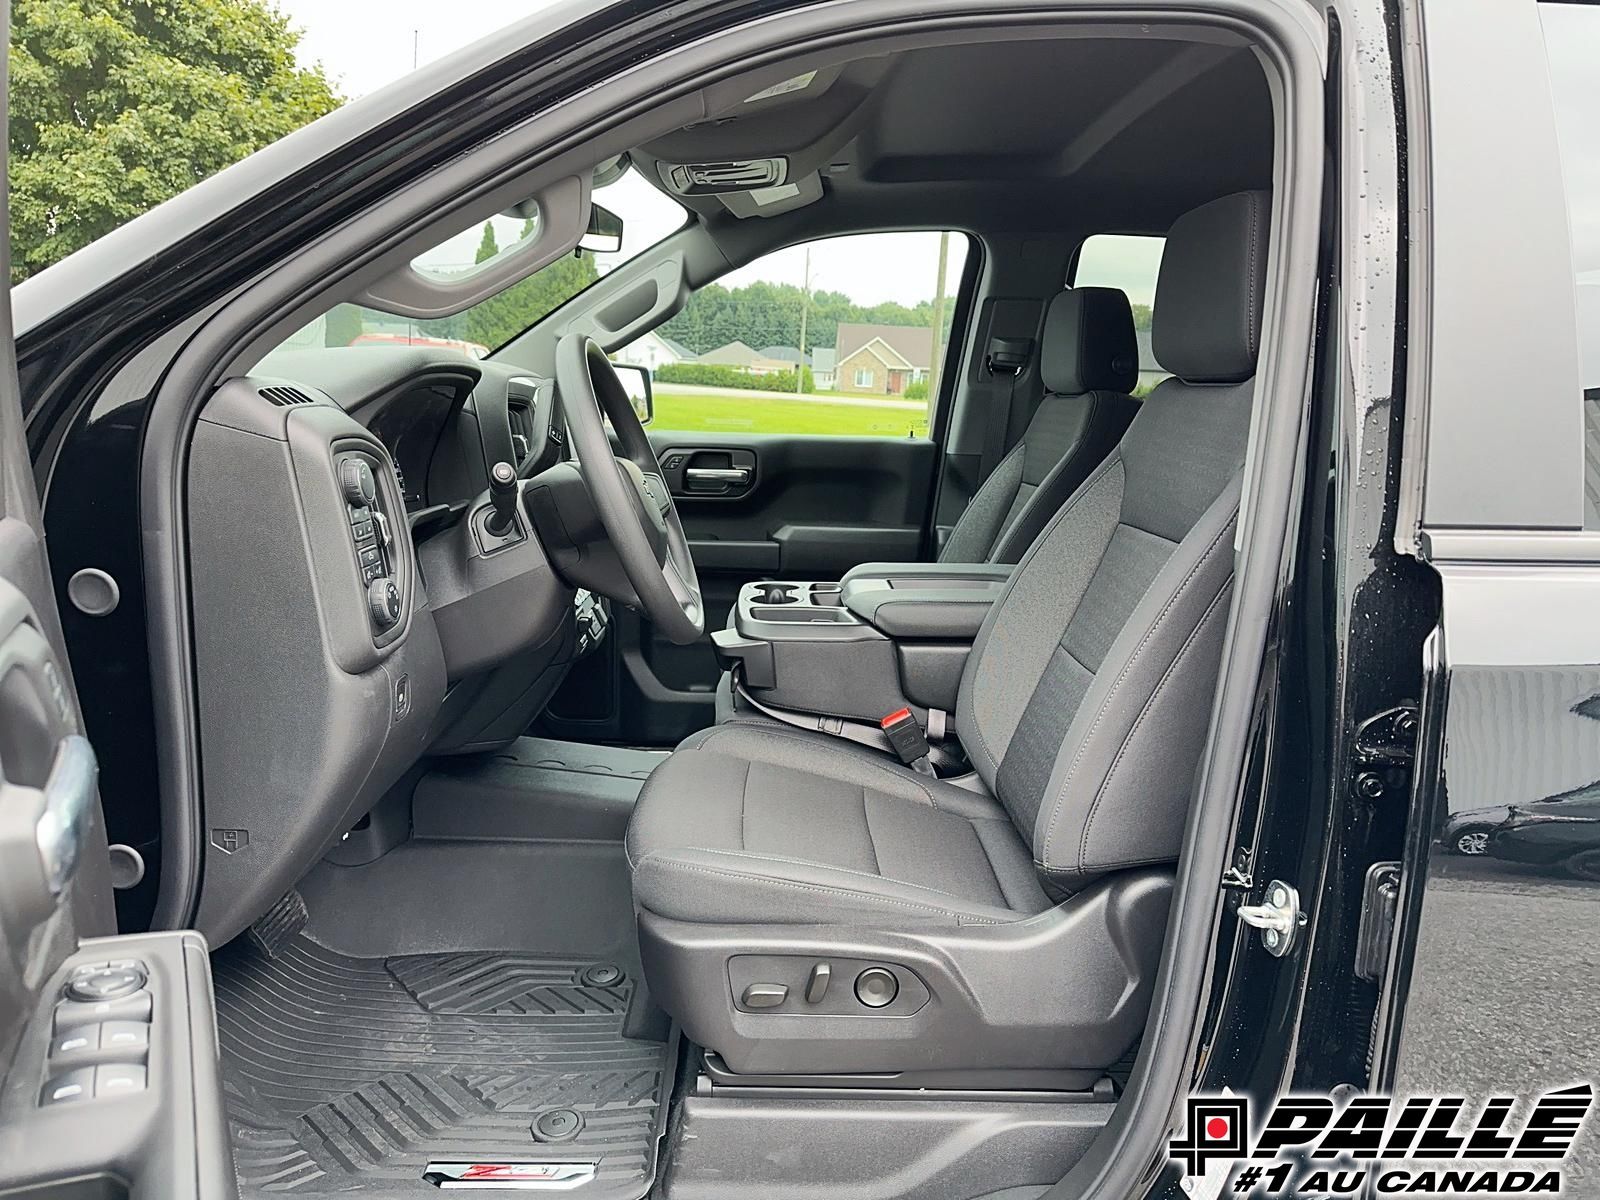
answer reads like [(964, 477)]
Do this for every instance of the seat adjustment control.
[(817, 982), (764, 995), (877, 987)]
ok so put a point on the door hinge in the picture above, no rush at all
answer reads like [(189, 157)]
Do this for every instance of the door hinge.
[(1278, 917), (1385, 746), (1237, 878), (1380, 900)]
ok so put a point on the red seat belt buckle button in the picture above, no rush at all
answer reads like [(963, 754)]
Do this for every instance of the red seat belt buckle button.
[(905, 736)]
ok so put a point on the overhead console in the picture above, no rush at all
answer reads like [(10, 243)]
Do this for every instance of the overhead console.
[(899, 632)]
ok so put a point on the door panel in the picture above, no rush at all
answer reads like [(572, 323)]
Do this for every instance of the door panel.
[(810, 508), (87, 1107)]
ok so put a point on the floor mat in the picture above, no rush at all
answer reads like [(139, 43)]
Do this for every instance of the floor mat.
[(350, 1075)]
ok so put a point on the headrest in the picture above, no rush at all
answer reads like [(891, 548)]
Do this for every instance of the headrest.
[(1207, 322), (1089, 343)]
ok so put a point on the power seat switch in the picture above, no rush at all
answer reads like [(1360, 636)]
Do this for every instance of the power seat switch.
[(764, 995), (907, 740)]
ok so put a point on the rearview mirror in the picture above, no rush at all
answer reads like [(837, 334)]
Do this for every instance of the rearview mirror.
[(604, 235), (636, 383)]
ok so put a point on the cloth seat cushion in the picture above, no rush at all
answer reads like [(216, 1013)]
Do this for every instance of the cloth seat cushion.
[(769, 825)]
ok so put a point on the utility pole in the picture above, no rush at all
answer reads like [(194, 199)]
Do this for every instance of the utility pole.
[(805, 311), (937, 364)]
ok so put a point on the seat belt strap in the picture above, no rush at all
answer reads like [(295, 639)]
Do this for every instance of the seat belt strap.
[(1007, 356), (870, 736)]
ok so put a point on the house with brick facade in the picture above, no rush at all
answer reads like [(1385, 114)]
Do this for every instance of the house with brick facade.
[(881, 360)]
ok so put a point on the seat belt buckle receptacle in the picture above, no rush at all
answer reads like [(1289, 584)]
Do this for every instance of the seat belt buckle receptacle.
[(907, 740)]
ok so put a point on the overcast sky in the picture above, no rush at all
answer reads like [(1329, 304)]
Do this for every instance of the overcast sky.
[(364, 44)]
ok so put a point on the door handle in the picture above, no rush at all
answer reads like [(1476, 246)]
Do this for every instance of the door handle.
[(738, 476)]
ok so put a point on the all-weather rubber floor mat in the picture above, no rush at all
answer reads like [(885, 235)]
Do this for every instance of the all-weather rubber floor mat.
[(351, 1075)]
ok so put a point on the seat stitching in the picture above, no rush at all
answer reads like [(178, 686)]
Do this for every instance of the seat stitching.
[(1144, 711), (744, 808), (981, 742), (1100, 868), (1127, 667), (820, 889), (983, 849), (872, 844), (807, 742), (1250, 333), (811, 862)]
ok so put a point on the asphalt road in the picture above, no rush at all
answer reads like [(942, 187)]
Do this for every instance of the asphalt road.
[(1505, 995)]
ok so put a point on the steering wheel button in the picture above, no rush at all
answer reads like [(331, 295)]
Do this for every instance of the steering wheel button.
[(877, 987)]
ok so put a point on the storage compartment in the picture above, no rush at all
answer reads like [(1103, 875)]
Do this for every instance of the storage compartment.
[(888, 636)]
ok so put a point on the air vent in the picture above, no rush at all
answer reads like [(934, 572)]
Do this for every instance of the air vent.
[(283, 397), (519, 413)]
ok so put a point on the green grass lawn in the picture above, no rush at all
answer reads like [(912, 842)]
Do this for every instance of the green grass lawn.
[(691, 413)]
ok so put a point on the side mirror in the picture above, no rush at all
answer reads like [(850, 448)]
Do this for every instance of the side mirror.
[(636, 383), (604, 235)]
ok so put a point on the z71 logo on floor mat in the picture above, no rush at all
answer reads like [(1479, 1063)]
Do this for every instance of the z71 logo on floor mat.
[(522, 1176)]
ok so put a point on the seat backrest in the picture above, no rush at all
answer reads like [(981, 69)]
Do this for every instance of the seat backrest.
[(1089, 359), (1085, 702)]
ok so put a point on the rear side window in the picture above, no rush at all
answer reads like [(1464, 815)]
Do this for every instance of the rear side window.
[(1130, 262), (1572, 44)]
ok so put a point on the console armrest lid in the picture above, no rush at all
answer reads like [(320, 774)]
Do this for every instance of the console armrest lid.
[(933, 602)]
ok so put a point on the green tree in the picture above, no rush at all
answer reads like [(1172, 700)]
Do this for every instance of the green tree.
[(487, 246), (117, 105), (497, 320)]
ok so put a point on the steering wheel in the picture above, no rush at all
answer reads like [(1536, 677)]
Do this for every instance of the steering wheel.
[(629, 494)]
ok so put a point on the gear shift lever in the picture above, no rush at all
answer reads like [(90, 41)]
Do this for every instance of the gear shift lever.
[(503, 494)]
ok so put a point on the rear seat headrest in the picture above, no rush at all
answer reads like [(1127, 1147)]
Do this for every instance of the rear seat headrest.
[(1089, 343), (1207, 322)]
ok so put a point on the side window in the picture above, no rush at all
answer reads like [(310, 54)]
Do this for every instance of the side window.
[(1572, 44), (1130, 262), (845, 336)]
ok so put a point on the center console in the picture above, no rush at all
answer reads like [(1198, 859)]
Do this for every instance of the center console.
[(887, 636)]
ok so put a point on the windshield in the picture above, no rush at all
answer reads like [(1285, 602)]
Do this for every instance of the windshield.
[(647, 215)]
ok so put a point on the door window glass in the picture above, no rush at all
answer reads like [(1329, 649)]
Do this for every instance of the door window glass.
[(1572, 43), (845, 336), (1130, 262)]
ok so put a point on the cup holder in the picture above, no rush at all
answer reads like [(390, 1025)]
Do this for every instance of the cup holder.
[(775, 593)]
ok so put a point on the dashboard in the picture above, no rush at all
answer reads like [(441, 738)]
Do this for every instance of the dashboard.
[(444, 418), (353, 609)]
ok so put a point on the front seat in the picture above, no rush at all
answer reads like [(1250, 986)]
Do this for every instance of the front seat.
[(795, 892), (1089, 360)]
